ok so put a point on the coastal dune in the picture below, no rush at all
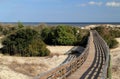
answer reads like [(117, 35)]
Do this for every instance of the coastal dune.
[(115, 55), (12, 67)]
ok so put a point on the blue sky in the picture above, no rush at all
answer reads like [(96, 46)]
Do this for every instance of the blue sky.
[(60, 10)]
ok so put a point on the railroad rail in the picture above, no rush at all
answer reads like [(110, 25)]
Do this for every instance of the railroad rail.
[(97, 70)]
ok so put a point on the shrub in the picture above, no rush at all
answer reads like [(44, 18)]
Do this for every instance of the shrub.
[(25, 42), (20, 25), (108, 36), (62, 35), (115, 33)]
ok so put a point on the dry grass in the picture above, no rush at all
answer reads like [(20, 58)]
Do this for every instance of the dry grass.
[(30, 69)]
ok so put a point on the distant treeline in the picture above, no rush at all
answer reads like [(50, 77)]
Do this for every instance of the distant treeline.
[(31, 41)]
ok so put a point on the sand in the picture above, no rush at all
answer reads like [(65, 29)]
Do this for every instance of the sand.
[(115, 54), (12, 67), (59, 49)]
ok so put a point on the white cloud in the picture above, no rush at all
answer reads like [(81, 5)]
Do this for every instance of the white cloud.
[(113, 4), (90, 3), (95, 3)]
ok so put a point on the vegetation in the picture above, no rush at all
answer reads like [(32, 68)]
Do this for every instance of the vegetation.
[(20, 25), (63, 35), (25, 42), (31, 41), (108, 35), (115, 33), (6, 29)]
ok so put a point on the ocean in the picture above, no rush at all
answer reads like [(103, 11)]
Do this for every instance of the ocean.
[(81, 24)]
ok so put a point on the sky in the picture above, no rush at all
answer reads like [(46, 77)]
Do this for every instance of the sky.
[(60, 10)]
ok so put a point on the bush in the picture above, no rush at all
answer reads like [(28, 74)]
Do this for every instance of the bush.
[(108, 36), (6, 29), (115, 33), (62, 35), (84, 40), (20, 25), (25, 42), (113, 43)]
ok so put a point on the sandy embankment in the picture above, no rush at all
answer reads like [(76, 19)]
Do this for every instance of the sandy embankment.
[(115, 54), (59, 49), (27, 67)]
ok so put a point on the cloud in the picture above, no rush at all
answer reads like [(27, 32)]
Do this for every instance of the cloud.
[(90, 3), (95, 3), (113, 4)]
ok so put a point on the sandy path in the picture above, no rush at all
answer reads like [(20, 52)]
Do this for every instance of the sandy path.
[(115, 54)]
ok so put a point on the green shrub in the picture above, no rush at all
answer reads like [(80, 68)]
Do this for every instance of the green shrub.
[(20, 25), (7, 29), (115, 33), (63, 35), (25, 42)]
